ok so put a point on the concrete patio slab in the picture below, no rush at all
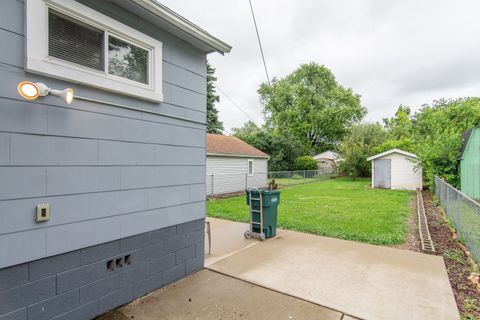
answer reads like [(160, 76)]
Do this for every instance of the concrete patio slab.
[(366, 281), (227, 239), (210, 295)]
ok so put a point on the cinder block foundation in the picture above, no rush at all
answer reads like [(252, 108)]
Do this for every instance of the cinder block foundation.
[(83, 284)]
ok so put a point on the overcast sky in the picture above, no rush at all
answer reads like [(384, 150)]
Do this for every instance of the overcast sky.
[(391, 52)]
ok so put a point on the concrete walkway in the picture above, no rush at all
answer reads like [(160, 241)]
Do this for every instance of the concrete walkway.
[(207, 295), (301, 276), (366, 281)]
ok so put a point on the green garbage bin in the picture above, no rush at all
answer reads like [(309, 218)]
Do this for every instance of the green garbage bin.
[(270, 199)]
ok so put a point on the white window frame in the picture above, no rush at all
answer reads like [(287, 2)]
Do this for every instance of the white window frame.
[(253, 167), (38, 60)]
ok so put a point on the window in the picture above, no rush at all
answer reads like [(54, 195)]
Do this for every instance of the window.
[(77, 43), (71, 40), (250, 167), (127, 60)]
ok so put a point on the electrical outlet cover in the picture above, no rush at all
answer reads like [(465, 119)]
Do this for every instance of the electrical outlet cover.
[(43, 212)]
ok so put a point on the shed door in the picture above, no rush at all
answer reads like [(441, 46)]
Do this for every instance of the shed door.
[(383, 173)]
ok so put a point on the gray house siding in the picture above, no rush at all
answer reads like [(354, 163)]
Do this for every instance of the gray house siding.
[(85, 283), (107, 171)]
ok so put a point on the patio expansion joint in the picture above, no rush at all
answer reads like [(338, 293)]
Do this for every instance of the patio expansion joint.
[(285, 293), (207, 263)]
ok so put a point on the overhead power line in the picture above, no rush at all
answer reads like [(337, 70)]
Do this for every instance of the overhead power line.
[(226, 131), (259, 42), (235, 104)]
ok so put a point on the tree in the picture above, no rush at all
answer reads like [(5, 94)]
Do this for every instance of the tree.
[(399, 126), (434, 134), (283, 150), (358, 146), (213, 124), (438, 128), (305, 163), (403, 143), (310, 105)]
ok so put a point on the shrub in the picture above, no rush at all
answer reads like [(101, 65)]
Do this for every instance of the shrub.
[(305, 163), (297, 176)]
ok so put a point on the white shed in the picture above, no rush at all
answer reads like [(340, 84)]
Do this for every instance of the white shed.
[(233, 165), (396, 169)]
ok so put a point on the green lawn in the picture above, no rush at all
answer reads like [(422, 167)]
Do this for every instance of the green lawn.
[(339, 208)]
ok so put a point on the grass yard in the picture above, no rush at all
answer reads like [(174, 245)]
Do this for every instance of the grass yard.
[(339, 208)]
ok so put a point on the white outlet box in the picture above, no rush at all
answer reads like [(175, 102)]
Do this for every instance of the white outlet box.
[(43, 212)]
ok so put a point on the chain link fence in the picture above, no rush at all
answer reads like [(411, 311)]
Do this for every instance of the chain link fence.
[(289, 178), (464, 212), (221, 183)]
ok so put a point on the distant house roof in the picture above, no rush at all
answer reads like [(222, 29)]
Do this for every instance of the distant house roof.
[(405, 153), (465, 137), (231, 146), (329, 155)]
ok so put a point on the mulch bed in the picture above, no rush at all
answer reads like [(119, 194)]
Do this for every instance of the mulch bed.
[(457, 263)]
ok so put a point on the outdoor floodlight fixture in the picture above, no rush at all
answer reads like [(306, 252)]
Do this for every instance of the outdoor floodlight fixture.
[(31, 91)]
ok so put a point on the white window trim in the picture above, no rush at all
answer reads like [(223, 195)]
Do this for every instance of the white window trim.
[(39, 62), (253, 167)]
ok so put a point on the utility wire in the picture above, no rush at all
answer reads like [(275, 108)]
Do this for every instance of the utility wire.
[(226, 131), (235, 104), (259, 42)]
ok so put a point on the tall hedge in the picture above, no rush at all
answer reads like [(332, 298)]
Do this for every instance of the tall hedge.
[(305, 163)]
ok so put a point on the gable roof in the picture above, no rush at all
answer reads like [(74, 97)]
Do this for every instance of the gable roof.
[(405, 153), (465, 137), (220, 145), (159, 14), (329, 154)]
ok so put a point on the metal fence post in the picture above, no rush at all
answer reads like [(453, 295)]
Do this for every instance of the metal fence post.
[(212, 186), (304, 176)]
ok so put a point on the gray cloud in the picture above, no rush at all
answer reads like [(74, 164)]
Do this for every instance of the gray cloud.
[(391, 52)]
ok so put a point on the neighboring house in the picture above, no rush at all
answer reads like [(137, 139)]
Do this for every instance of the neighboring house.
[(102, 200), (396, 169), (328, 161), (470, 163), (233, 165)]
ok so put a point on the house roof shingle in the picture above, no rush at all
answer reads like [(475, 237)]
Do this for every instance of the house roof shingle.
[(465, 137), (229, 145)]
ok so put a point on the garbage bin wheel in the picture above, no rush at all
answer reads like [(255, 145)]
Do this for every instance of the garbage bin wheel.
[(247, 234), (262, 236)]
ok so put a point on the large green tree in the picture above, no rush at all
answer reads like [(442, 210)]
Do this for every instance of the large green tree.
[(283, 149), (437, 131), (434, 134), (357, 146), (311, 105), (399, 132), (214, 125)]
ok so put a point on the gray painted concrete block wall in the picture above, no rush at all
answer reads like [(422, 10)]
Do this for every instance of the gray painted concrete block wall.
[(82, 284), (108, 173)]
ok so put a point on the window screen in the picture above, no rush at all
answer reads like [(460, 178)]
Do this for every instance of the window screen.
[(250, 166), (74, 41), (127, 60)]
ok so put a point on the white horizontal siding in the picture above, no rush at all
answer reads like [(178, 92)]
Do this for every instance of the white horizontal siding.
[(230, 174), (406, 173)]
